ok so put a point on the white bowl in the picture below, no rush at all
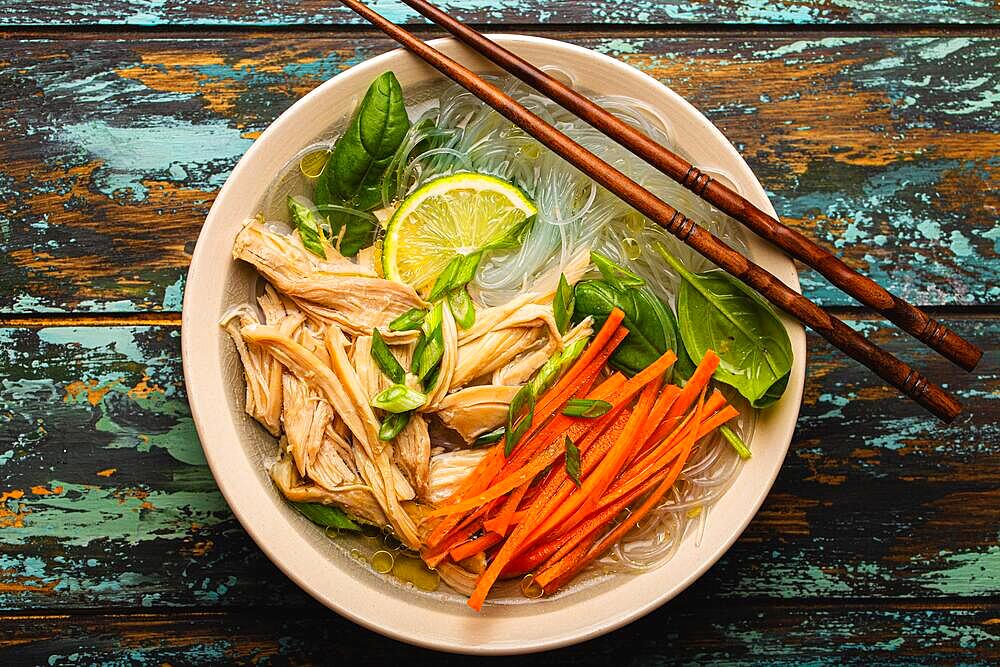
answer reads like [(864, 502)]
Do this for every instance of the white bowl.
[(236, 447)]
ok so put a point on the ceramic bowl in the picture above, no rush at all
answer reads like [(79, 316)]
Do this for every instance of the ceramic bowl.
[(236, 447)]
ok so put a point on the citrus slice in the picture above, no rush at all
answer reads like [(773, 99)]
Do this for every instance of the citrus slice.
[(451, 215)]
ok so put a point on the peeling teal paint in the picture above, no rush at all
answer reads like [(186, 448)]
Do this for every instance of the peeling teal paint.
[(967, 572)]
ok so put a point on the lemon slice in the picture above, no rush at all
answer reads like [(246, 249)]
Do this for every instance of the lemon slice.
[(452, 215)]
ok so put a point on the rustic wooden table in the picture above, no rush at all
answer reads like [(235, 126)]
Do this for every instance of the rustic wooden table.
[(874, 126)]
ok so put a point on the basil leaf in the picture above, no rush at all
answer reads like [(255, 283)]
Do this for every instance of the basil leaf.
[(399, 398), (393, 424), (462, 307), (735, 441), (384, 358), (327, 516), (650, 323), (716, 311), (444, 279), (517, 423), (562, 304), (572, 461), (617, 275), (408, 321), (586, 407), (304, 219), (494, 436), (353, 174)]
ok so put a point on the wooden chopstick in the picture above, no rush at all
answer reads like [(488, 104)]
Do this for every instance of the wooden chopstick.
[(908, 317), (888, 367)]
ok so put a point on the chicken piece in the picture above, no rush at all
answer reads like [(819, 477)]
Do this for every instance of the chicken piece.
[(519, 370), (305, 417), (261, 371), (328, 468), (413, 453), (340, 386), (494, 350), (475, 410), (356, 501), (335, 291), (449, 469)]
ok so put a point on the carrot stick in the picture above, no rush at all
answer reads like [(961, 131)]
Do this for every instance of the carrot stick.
[(714, 402), (475, 546), (656, 415), (698, 380), (501, 522), (579, 562)]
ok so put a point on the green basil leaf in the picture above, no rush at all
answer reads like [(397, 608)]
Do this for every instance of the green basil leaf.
[(327, 516), (562, 304), (462, 307), (399, 398), (650, 323), (494, 436), (353, 174), (393, 424), (384, 358), (572, 461), (586, 407), (305, 220), (617, 275), (518, 423), (445, 278), (716, 311), (408, 321), (735, 441)]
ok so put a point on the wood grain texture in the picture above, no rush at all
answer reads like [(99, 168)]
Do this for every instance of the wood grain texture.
[(106, 501), (634, 12), (879, 147), (681, 633)]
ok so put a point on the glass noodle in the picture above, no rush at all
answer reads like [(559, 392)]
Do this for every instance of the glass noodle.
[(457, 133)]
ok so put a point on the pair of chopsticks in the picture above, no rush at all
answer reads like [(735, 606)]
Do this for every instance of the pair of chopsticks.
[(891, 369)]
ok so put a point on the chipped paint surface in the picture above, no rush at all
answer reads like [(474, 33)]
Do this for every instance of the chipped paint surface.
[(258, 13), (872, 145)]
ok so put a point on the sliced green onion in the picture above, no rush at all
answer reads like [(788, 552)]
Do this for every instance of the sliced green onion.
[(411, 319), (586, 407), (385, 360), (418, 351), (494, 436), (433, 319), (618, 276), (462, 307), (304, 219), (393, 424), (523, 401), (445, 279), (432, 378), (563, 304), (572, 461), (326, 515), (430, 354), (399, 398), (736, 442), (466, 269), (552, 370)]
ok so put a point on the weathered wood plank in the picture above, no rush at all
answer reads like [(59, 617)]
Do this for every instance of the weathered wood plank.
[(641, 12), (676, 634), (106, 501), (114, 147)]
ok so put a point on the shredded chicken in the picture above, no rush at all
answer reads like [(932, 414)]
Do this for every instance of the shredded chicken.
[(335, 291), (356, 499), (519, 370), (448, 469), (262, 373), (475, 410)]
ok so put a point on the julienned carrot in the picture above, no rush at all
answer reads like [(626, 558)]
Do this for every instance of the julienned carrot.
[(518, 477), (475, 546), (714, 403), (500, 523), (656, 415), (580, 561), (717, 420), (609, 336), (591, 455), (698, 380)]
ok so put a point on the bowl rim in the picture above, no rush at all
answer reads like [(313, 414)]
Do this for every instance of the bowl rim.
[(221, 470)]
